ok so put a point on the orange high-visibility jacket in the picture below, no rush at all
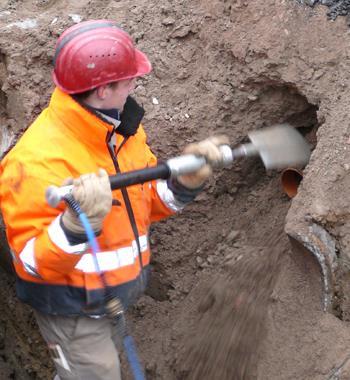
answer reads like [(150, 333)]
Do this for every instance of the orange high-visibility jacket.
[(66, 140)]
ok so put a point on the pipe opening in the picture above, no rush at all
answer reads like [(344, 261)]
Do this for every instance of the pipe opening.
[(290, 180)]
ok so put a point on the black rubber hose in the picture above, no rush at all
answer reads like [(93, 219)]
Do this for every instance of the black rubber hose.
[(120, 180)]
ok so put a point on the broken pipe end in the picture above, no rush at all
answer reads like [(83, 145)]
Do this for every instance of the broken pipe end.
[(290, 180)]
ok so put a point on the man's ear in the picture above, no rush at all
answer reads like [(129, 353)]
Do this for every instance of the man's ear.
[(102, 92)]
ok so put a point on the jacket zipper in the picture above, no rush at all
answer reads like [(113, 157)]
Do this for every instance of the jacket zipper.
[(125, 194)]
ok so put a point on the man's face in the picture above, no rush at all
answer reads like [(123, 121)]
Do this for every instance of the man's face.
[(115, 95)]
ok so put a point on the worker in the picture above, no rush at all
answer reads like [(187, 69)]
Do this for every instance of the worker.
[(91, 129)]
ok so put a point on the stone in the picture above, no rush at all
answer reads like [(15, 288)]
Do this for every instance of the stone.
[(233, 236)]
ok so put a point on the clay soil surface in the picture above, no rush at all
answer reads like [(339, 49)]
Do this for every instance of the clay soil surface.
[(220, 66)]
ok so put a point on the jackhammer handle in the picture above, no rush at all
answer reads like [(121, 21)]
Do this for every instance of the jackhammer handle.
[(134, 177), (54, 194), (173, 167)]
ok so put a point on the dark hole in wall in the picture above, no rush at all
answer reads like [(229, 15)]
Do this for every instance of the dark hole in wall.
[(283, 103), (306, 122), (276, 103), (292, 107)]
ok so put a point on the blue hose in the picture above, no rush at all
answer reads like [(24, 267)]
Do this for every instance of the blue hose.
[(128, 341), (91, 238), (133, 359)]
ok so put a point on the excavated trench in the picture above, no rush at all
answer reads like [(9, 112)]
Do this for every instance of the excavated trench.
[(174, 283), (219, 67)]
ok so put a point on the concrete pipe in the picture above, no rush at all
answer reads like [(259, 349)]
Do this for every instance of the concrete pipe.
[(290, 180)]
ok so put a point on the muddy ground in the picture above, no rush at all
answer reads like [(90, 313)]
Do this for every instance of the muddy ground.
[(220, 66)]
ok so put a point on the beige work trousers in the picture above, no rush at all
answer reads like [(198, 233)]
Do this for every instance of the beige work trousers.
[(82, 348)]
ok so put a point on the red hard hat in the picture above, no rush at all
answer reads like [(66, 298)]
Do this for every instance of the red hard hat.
[(93, 53)]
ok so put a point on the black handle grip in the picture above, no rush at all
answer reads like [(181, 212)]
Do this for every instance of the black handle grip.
[(134, 177)]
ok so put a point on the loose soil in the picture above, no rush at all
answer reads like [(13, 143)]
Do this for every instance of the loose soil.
[(231, 317), (220, 66)]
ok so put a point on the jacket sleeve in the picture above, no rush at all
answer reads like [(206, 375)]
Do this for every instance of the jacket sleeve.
[(33, 227)]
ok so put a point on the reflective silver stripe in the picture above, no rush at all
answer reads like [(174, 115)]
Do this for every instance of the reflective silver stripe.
[(167, 196), (13, 256), (143, 240), (58, 237), (110, 260), (28, 258)]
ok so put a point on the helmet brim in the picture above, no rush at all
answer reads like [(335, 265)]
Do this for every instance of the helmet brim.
[(143, 64)]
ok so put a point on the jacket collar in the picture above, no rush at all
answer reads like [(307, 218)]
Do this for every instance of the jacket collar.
[(109, 119), (79, 121), (127, 122)]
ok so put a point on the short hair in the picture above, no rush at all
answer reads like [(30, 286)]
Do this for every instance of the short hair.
[(82, 96)]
